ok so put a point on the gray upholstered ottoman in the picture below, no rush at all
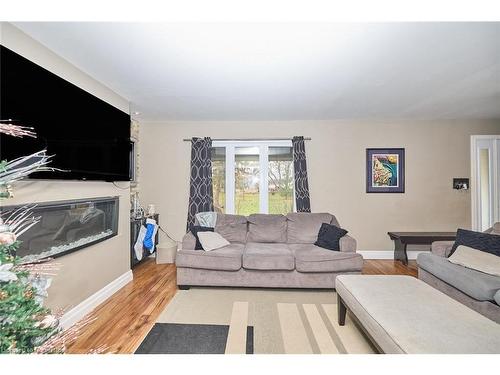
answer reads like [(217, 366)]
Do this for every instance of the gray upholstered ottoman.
[(402, 314)]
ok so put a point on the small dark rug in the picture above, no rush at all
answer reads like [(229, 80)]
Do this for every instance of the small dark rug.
[(170, 338)]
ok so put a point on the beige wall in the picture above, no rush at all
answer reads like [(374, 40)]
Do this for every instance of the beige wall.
[(435, 153), (86, 271)]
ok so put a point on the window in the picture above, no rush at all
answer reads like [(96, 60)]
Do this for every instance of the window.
[(280, 180), (246, 180), (253, 177), (219, 178)]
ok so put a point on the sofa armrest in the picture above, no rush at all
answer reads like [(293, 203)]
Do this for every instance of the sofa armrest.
[(347, 244), (442, 248), (188, 241)]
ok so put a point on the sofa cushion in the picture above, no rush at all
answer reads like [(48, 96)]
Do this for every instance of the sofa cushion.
[(227, 258), (266, 228), (232, 227), (475, 284), (268, 256), (303, 227), (311, 258), (496, 297)]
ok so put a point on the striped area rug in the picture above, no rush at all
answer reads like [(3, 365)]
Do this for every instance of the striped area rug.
[(282, 321)]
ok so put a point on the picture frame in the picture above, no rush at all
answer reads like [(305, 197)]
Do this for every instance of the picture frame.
[(385, 170)]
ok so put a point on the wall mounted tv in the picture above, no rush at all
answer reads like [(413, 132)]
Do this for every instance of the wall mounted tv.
[(89, 138)]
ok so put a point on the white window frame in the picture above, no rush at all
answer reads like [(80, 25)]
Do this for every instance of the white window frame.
[(492, 144), (263, 146)]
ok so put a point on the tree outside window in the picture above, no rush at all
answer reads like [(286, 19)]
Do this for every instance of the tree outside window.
[(247, 167)]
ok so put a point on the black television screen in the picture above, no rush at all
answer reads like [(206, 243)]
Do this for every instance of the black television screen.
[(89, 138)]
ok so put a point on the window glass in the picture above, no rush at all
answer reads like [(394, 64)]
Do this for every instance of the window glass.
[(219, 178), (242, 173), (247, 180), (280, 180)]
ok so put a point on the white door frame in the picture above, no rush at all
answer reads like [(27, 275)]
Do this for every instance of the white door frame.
[(491, 142), (230, 147)]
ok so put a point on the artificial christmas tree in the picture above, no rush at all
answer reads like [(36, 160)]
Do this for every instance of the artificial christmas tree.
[(26, 326)]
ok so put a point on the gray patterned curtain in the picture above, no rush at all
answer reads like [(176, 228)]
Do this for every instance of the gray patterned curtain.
[(200, 186), (302, 201)]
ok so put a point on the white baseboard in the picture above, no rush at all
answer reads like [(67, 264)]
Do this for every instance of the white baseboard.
[(388, 254), (79, 311), (376, 254)]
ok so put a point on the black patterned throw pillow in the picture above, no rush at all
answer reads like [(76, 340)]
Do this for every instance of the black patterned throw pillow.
[(329, 237), (486, 242)]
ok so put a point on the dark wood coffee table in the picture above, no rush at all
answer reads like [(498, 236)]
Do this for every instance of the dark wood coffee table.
[(402, 239)]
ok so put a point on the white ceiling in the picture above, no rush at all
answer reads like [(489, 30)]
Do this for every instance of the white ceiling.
[(288, 71)]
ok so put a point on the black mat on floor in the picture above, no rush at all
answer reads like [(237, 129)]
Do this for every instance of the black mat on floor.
[(170, 338)]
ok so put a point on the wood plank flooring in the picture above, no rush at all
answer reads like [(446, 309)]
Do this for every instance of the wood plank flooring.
[(125, 319), (389, 267)]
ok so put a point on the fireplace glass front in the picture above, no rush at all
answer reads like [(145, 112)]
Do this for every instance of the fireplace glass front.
[(67, 226)]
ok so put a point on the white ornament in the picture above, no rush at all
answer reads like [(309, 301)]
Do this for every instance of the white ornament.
[(5, 274)]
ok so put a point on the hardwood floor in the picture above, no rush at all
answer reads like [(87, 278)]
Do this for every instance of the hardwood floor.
[(125, 319), (389, 267)]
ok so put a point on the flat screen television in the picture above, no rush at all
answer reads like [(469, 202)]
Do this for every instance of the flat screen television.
[(89, 138)]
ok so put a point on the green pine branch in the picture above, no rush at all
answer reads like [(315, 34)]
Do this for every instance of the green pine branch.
[(20, 313)]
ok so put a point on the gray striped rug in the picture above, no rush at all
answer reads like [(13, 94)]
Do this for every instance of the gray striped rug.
[(283, 321)]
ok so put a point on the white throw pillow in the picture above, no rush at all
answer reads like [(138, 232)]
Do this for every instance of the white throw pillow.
[(212, 240), (476, 259)]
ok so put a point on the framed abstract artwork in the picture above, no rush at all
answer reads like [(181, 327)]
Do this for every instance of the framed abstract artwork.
[(385, 170)]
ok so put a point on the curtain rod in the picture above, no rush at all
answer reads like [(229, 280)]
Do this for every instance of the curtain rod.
[(247, 139)]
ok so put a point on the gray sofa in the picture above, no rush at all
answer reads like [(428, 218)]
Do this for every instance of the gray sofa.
[(477, 290), (273, 251)]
